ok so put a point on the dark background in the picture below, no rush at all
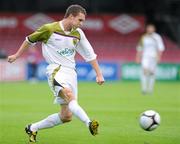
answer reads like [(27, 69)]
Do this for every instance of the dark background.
[(165, 14)]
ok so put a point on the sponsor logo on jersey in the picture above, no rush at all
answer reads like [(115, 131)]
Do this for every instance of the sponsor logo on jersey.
[(66, 52)]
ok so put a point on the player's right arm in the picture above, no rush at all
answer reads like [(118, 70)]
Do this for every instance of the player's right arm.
[(139, 49), (138, 56), (41, 34), (25, 45)]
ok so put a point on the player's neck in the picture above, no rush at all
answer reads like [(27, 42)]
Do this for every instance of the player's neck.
[(66, 25), (150, 33)]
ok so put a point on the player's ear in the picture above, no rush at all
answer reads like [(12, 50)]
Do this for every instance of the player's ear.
[(71, 16)]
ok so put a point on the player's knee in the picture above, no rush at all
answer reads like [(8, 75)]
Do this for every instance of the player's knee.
[(151, 73), (66, 118), (68, 94), (145, 71)]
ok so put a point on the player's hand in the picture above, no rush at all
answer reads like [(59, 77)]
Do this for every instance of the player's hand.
[(158, 59), (100, 79), (138, 60), (11, 58)]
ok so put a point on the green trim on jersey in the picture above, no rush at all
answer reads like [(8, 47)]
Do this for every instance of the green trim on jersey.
[(141, 43), (45, 31), (53, 74)]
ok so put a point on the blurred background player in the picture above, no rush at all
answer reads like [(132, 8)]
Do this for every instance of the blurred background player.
[(60, 41), (3, 54), (149, 52), (32, 64)]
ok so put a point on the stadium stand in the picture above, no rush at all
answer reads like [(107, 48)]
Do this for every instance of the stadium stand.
[(109, 46), (123, 48)]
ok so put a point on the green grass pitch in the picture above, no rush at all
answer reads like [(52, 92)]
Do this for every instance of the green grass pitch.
[(117, 106)]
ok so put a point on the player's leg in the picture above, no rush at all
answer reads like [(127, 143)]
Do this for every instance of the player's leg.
[(73, 105), (50, 121), (144, 80), (66, 114), (77, 110), (151, 83), (148, 76), (54, 119), (65, 85), (152, 75), (65, 90), (144, 75)]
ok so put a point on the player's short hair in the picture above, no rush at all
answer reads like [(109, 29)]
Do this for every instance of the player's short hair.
[(150, 24), (74, 10)]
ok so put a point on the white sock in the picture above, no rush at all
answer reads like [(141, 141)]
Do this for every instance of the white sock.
[(144, 79), (78, 112), (151, 83), (50, 121)]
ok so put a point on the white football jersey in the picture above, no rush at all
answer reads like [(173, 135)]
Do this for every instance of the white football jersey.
[(150, 45), (59, 47)]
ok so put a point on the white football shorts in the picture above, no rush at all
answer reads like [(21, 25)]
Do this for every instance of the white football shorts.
[(66, 77), (149, 63)]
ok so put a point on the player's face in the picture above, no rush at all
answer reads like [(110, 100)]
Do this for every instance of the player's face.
[(78, 20), (150, 29)]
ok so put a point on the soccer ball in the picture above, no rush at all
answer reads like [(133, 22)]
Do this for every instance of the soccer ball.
[(149, 120)]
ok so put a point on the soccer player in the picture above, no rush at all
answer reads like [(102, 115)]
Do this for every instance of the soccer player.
[(149, 52), (60, 42)]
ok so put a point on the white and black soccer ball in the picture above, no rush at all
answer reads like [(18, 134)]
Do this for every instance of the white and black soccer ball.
[(149, 120)]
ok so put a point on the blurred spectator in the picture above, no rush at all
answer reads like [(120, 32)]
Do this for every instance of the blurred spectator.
[(3, 54), (32, 63)]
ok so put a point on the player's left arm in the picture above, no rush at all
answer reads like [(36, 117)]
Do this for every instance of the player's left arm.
[(161, 48), (139, 50), (99, 76), (85, 49)]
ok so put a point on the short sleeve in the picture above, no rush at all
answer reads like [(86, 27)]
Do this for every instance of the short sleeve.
[(160, 43), (140, 44), (84, 48), (42, 34)]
